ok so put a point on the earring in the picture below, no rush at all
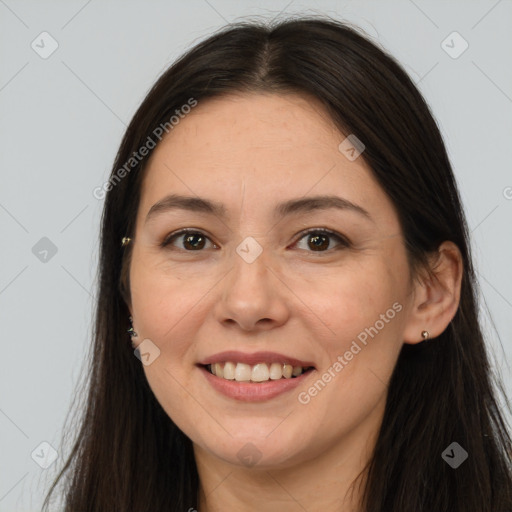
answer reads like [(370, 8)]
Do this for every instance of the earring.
[(125, 241), (425, 335), (131, 330)]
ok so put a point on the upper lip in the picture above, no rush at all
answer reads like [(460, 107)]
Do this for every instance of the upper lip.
[(236, 356)]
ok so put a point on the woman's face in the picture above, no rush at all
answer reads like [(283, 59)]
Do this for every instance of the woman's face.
[(257, 294)]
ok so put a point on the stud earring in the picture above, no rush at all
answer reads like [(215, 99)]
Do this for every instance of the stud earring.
[(125, 241), (131, 330), (425, 335)]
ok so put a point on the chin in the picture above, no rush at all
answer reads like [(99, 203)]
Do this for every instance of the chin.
[(264, 450)]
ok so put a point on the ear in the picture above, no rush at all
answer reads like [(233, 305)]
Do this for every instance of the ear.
[(436, 296)]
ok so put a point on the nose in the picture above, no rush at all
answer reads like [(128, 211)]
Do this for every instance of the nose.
[(253, 297)]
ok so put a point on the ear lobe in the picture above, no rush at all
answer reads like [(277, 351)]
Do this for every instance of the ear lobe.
[(437, 295)]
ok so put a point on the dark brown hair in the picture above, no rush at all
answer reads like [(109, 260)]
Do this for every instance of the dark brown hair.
[(128, 454)]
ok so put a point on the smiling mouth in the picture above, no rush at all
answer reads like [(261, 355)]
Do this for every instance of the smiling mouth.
[(261, 372)]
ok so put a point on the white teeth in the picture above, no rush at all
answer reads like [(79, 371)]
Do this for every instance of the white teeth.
[(287, 370), (219, 371), (276, 371), (229, 371), (242, 372), (297, 370), (260, 372)]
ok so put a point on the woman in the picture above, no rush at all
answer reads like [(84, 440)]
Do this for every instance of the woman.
[(283, 230)]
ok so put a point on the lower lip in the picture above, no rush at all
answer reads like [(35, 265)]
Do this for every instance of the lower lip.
[(253, 391)]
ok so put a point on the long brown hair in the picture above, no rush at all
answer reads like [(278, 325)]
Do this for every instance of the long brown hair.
[(129, 455)]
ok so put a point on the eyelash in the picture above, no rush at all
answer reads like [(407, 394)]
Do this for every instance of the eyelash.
[(344, 242)]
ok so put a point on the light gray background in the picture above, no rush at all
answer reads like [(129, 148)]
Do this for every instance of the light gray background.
[(61, 121)]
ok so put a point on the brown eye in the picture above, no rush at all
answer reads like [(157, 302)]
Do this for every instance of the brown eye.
[(319, 240), (190, 240), (194, 242)]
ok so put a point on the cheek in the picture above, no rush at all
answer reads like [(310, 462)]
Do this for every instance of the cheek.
[(166, 311), (165, 305), (363, 312), (367, 318), (352, 300)]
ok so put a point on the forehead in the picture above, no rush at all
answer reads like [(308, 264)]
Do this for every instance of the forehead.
[(258, 122), (263, 146)]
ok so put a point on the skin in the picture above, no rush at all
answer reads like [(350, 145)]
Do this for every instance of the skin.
[(251, 152)]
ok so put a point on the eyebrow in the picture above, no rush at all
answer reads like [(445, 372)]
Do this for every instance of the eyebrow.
[(287, 208)]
